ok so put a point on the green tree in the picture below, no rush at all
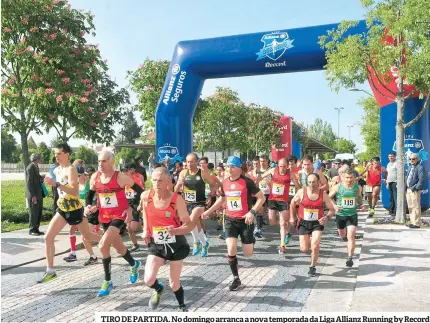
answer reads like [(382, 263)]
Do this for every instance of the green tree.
[(45, 63), (345, 146), (128, 155), (88, 155), (321, 131), (263, 132), (8, 147), (370, 127), (395, 49), (130, 129), (45, 153), (223, 122)]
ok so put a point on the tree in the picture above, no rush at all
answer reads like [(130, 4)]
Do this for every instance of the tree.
[(45, 153), (321, 131), (8, 147), (128, 155), (130, 130), (223, 121), (394, 51), (263, 130), (46, 64), (345, 146), (370, 127), (86, 154)]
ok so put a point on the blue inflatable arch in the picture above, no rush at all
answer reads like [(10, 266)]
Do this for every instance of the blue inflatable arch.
[(272, 52)]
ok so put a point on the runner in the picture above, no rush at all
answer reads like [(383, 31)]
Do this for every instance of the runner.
[(264, 184), (253, 174), (69, 211), (239, 221), (114, 212), (220, 213), (193, 181), (278, 199), (374, 173), (311, 218), (307, 168), (349, 201), (209, 168), (163, 211), (135, 224)]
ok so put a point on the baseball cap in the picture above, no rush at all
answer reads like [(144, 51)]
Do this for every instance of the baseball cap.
[(233, 161), (317, 165), (356, 162), (337, 161)]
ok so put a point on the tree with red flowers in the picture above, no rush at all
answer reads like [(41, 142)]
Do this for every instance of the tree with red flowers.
[(51, 76)]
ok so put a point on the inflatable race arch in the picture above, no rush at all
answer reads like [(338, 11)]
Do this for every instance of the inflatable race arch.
[(273, 52)]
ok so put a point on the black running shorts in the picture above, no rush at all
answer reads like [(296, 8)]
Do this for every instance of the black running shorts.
[(72, 217), (345, 221), (237, 227), (178, 250), (307, 227), (278, 206)]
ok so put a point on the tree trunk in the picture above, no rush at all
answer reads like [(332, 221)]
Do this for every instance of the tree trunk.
[(400, 143), (64, 130), (24, 146)]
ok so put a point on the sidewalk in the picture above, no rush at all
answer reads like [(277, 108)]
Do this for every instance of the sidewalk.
[(18, 247)]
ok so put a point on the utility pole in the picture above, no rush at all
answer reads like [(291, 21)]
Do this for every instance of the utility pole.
[(338, 126), (349, 138)]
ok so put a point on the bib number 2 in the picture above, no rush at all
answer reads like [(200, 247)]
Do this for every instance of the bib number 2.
[(108, 200)]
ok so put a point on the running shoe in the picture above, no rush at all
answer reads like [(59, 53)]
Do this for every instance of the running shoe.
[(345, 239), (91, 261), (312, 272), (155, 300), (135, 247), (258, 234), (197, 248), (282, 250), (287, 238), (47, 277), (182, 309), (134, 271), (105, 289), (222, 236), (205, 250), (235, 284), (349, 262), (71, 257)]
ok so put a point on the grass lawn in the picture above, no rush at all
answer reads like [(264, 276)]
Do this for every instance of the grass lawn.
[(14, 212)]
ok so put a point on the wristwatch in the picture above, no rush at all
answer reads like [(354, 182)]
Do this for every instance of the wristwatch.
[(252, 212), (57, 184)]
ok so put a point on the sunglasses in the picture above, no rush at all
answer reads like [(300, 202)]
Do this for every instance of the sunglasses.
[(412, 159)]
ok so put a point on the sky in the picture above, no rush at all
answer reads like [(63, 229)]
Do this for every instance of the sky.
[(128, 31)]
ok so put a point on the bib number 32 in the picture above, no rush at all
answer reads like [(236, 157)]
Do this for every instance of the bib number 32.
[(161, 236)]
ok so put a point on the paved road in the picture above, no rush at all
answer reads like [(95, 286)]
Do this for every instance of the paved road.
[(271, 282)]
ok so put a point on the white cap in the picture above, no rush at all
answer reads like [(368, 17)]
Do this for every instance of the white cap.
[(356, 162)]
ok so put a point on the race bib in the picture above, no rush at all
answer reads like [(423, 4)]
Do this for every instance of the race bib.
[(108, 200), (310, 214), (278, 189), (368, 189), (207, 190), (292, 191), (129, 193), (161, 236), (190, 195), (264, 188), (348, 202), (234, 203)]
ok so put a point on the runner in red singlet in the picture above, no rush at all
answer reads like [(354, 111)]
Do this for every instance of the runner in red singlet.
[(311, 219), (373, 183), (163, 212), (114, 212), (253, 175), (278, 199)]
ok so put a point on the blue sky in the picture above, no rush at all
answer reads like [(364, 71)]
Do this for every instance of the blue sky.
[(128, 31)]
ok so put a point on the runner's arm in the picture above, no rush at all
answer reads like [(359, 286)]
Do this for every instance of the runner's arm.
[(329, 204), (323, 182), (212, 181), (180, 181), (294, 202), (143, 200), (220, 200), (267, 173), (124, 180), (187, 224), (260, 201), (296, 182)]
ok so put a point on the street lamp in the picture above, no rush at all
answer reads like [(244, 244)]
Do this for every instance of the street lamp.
[(338, 126), (360, 90), (350, 131)]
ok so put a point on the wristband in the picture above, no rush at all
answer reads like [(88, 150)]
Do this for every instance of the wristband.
[(252, 212)]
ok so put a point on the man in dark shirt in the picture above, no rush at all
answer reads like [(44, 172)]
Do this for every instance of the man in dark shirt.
[(332, 172), (138, 160)]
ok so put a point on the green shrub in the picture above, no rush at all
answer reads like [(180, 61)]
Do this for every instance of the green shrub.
[(13, 207)]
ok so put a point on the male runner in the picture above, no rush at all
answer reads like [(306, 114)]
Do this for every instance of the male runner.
[(311, 219), (374, 173), (114, 212), (349, 201), (264, 184), (193, 182), (278, 199), (163, 212), (204, 165), (253, 175), (239, 216), (70, 209), (307, 168)]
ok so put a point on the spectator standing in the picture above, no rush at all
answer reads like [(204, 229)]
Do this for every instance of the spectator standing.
[(415, 184), (33, 194), (392, 182)]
